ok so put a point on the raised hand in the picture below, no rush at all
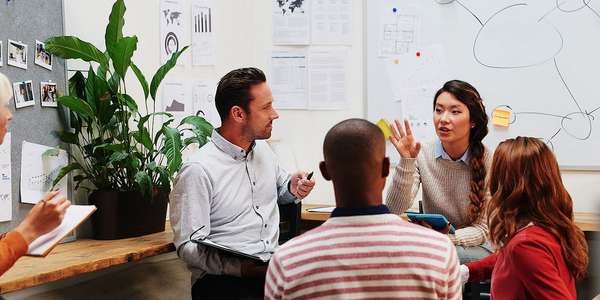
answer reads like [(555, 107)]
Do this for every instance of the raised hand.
[(403, 140)]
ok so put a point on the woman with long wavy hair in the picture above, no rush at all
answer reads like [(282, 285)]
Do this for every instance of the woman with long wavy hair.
[(451, 171), (541, 251)]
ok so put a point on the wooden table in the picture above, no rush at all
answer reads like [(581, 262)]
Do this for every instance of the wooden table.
[(586, 221), (83, 256)]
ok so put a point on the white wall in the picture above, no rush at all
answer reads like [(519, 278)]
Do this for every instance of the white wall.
[(244, 39)]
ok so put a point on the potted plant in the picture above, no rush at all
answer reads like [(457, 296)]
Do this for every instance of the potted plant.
[(129, 157)]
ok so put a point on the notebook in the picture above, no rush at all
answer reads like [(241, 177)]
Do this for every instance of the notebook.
[(74, 216)]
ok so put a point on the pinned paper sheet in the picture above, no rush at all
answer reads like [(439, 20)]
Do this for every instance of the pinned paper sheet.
[(385, 128), (501, 116)]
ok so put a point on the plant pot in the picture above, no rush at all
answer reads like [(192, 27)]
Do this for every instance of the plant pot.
[(127, 214)]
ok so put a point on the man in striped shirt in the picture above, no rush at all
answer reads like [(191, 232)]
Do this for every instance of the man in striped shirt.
[(363, 251)]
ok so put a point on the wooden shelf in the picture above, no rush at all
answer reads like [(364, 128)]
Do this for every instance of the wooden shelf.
[(83, 256)]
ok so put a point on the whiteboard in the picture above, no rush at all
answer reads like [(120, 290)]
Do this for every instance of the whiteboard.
[(537, 59)]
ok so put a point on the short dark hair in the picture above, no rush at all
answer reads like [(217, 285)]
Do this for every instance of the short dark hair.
[(352, 147), (234, 89)]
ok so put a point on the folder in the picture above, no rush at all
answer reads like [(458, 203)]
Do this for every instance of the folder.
[(264, 258)]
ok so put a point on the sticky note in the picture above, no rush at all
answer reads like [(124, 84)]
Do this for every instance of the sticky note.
[(501, 116), (385, 128)]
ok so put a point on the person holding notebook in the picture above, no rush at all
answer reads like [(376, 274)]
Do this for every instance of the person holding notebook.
[(363, 251), (228, 192), (42, 218), (450, 171)]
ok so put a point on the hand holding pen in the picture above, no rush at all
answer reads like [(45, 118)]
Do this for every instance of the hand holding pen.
[(301, 184)]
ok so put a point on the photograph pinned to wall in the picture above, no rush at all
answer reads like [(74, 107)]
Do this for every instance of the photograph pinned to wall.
[(48, 95), (203, 95), (43, 58), (23, 94), (40, 165), (203, 33), (171, 28), (5, 180), (1, 54), (17, 54)]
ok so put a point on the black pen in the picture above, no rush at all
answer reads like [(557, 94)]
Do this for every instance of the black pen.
[(309, 175)]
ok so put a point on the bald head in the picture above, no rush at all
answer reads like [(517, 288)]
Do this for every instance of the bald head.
[(355, 161)]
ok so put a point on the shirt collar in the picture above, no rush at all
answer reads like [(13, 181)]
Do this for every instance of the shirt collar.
[(440, 152), (369, 210), (235, 151)]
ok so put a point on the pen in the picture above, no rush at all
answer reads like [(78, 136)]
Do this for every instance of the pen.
[(309, 175)]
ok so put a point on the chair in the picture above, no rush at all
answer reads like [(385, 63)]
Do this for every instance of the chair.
[(289, 221)]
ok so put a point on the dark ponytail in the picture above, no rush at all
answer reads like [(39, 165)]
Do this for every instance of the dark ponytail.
[(468, 95)]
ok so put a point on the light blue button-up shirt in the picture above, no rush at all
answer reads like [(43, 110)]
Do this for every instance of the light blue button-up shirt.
[(234, 195), (440, 152)]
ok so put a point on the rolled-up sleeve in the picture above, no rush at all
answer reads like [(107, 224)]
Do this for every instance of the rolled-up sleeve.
[(190, 210)]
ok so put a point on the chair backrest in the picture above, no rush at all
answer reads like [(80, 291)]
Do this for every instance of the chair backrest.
[(289, 221)]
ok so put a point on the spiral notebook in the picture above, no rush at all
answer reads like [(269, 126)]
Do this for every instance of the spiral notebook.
[(74, 216)]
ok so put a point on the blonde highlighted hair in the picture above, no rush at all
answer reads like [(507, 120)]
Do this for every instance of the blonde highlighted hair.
[(6, 91)]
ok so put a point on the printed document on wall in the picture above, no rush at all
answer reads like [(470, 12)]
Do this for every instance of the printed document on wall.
[(291, 22), (203, 95), (415, 81), (171, 18), (175, 100), (331, 22), (40, 165), (203, 32), (289, 78), (399, 31), (5, 181), (327, 75)]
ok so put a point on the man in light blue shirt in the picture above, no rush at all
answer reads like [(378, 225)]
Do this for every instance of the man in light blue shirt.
[(228, 192)]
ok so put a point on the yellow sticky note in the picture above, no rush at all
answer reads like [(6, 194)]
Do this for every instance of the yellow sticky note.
[(501, 116), (385, 128)]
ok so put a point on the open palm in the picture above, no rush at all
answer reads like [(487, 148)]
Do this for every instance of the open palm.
[(403, 140)]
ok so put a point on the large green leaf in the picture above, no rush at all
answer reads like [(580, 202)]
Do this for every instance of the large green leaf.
[(198, 123), (121, 54), (141, 79), (109, 146), (114, 29), (172, 149), (128, 101), (162, 72), (64, 171), (77, 85), (77, 105), (70, 47), (91, 90), (143, 137), (117, 157), (144, 183)]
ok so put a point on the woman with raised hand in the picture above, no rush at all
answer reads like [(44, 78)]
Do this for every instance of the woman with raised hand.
[(42, 218), (451, 171), (541, 250)]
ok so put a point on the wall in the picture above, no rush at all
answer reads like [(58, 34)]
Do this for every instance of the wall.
[(244, 39)]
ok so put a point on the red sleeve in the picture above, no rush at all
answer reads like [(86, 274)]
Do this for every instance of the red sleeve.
[(12, 247), (482, 269), (537, 271)]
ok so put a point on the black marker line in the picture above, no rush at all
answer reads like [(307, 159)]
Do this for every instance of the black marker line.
[(471, 12)]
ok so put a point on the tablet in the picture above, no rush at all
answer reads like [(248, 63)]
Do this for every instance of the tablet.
[(436, 221)]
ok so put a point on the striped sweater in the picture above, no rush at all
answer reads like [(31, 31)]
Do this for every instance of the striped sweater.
[(360, 257), (446, 188)]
